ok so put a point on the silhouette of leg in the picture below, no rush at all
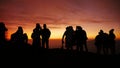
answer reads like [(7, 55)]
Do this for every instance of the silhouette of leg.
[(43, 43), (81, 48), (47, 43), (86, 49), (112, 49), (98, 50), (104, 50)]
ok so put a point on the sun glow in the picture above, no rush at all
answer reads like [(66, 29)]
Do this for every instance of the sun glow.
[(58, 33)]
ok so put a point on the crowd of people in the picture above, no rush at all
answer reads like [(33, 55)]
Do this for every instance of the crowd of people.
[(39, 33), (40, 39), (77, 37), (105, 42), (19, 39)]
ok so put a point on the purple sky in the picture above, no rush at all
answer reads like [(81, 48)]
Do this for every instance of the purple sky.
[(92, 15)]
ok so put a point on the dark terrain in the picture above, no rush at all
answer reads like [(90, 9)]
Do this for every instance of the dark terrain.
[(58, 57)]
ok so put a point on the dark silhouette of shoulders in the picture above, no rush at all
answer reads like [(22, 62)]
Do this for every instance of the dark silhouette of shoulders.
[(3, 40)]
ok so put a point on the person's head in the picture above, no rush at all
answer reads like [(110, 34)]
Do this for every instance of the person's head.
[(25, 34), (111, 31), (37, 25), (78, 28), (101, 32), (67, 28), (44, 26), (20, 30), (2, 26), (70, 27)]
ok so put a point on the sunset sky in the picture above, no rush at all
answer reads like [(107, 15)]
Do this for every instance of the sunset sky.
[(92, 15)]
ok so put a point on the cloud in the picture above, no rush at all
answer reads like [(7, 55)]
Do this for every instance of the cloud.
[(91, 21), (60, 11), (53, 27)]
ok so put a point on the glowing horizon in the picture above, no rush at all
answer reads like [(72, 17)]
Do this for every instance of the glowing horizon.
[(57, 33)]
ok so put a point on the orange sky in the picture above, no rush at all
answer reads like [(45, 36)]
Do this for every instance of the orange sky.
[(92, 15)]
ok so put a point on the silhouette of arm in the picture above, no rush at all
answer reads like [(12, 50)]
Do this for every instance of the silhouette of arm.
[(49, 33), (63, 37), (32, 35), (85, 34)]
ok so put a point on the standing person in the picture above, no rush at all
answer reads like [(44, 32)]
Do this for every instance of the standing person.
[(36, 36), (85, 38), (105, 43), (112, 41), (17, 38), (25, 36), (69, 37), (99, 41), (45, 36), (81, 39)]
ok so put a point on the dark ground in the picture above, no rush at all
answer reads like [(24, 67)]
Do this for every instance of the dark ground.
[(60, 57)]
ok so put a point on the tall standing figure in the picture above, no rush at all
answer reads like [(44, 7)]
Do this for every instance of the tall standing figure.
[(45, 36), (81, 39), (99, 41), (17, 38), (112, 41), (3, 29), (68, 37), (36, 36)]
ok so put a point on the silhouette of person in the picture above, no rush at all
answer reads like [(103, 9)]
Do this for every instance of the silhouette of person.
[(17, 38), (45, 36), (36, 36), (68, 36), (3, 29), (25, 38), (99, 41), (105, 38), (112, 41), (81, 39)]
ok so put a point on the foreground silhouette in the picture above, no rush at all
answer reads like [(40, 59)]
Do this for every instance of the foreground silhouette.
[(45, 36), (81, 39), (47, 57), (3, 30), (78, 38), (98, 42), (37, 31), (112, 41), (106, 42), (69, 37), (19, 39)]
